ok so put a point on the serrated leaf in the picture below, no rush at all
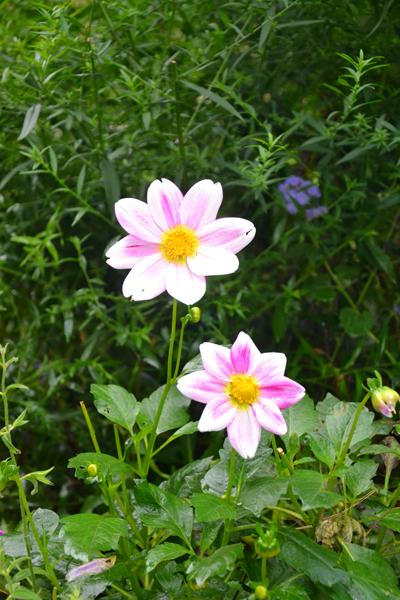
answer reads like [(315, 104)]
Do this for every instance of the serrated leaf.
[(160, 509), (216, 565), (355, 323), (320, 564), (173, 415), (392, 519), (107, 464), (339, 421), (213, 97), (211, 508), (21, 593), (166, 551), (186, 481), (84, 535), (30, 120), (300, 418), (209, 535), (359, 477), (309, 487), (262, 492), (323, 449), (116, 404), (46, 522)]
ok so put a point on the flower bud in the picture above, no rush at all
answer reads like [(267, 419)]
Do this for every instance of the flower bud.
[(92, 470), (195, 313), (261, 592), (193, 585), (384, 400), (267, 544)]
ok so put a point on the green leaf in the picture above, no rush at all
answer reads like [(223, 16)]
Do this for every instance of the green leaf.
[(289, 591), (187, 429), (323, 449), (30, 120), (216, 481), (53, 160), (300, 418), (339, 421), (262, 492), (81, 180), (166, 551), (392, 519), (320, 564), (167, 578), (378, 257), (216, 565), (174, 413), (116, 404), (319, 288), (371, 576), (279, 322), (214, 97), (211, 508), (309, 486), (107, 465), (21, 593), (355, 323), (160, 509), (359, 477), (111, 183), (84, 535), (209, 535), (46, 522), (186, 481)]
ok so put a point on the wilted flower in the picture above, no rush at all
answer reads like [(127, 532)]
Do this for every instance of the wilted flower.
[(244, 390), (174, 242), (296, 190), (384, 400), (91, 568)]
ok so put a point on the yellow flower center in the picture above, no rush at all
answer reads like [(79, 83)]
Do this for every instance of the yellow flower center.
[(243, 389), (178, 243)]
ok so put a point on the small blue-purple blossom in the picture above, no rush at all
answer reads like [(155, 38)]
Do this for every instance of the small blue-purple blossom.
[(297, 190)]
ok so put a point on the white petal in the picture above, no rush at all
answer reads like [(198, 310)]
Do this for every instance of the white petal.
[(230, 233), (201, 204), (217, 361), (147, 278), (184, 285), (213, 261), (244, 433), (164, 200), (244, 354), (217, 415), (126, 253), (134, 216), (201, 386), (270, 366), (270, 417)]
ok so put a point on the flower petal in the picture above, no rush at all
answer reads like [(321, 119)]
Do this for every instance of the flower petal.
[(217, 415), (270, 366), (127, 252), (201, 204), (270, 417), (213, 261), (231, 234), (184, 285), (147, 278), (283, 392), (244, 354), (217, 361), (201, 386), (244, 433), (134, 216), (164, 200)]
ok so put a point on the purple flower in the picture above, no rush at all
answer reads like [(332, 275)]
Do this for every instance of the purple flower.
[(2, 532), (296, 190)]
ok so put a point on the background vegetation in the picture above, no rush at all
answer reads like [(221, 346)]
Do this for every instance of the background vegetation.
[(100, 98)]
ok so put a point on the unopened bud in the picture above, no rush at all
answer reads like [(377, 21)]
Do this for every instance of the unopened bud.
[(92, 470), (195, 587), (280, 451), (261, 592), (195, 313), (384, 400)]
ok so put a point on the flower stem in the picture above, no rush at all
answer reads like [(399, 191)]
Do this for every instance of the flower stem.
[(227, 522), (263, 568), (90, 427), (178, 359), (153, 435)]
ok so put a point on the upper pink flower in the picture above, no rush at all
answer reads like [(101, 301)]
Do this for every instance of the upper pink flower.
[(175, 241), (244, 390)]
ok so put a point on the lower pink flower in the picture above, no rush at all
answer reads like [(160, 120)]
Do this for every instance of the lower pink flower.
[(243, 390)]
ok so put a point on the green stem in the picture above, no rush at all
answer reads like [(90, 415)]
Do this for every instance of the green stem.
[(90, 427), (380, 538), (121, 458), (394, 497), (42, 548), (178, 358), (153, 435), (227, 522), (129, 518), (263, 568)]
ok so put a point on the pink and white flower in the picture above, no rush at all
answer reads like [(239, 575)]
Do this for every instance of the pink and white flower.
[(243, 390), (175, 241)]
